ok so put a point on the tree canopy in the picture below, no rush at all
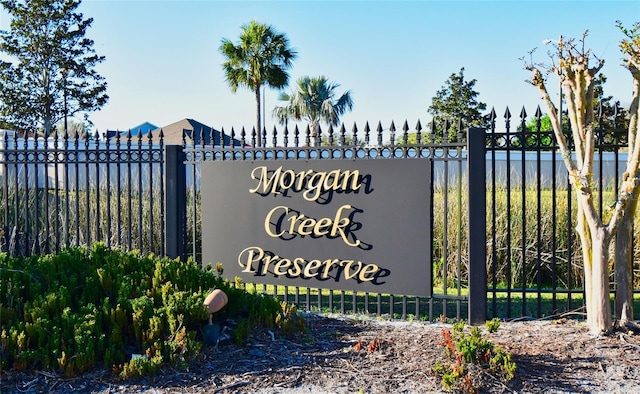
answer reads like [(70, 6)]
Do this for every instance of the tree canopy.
[(457, 100), (314, 100), (262, 56), (51, 72)]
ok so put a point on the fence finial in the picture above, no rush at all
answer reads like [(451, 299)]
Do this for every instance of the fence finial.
[(538, 117), (405, 135), (307, 138), (354, 131), (492, 116), (367, 130), (275, 135), (286, 135), (418, 131), (507, 117), (264, 136), (253, 136)]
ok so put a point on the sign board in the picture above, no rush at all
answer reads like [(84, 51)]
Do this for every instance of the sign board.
[(360, 225)]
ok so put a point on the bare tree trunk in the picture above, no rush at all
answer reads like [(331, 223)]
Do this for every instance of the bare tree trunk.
[(595, 256), (623, 265), (599, 318), (587, 259)]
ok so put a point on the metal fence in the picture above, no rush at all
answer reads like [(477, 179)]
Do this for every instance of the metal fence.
[(135, 193), (59, 192), (533, 254)]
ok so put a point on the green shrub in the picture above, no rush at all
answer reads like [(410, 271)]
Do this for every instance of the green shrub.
[(492, 325), (98, 307), (469, 354)]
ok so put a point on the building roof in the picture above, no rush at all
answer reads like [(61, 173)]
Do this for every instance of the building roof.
[(192, 132), (142, 129)]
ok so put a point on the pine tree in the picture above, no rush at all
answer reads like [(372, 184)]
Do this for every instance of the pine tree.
[(456, 101), (51, 72)]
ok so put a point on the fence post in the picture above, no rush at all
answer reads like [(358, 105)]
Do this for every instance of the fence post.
[(476, 170), (175, 202)]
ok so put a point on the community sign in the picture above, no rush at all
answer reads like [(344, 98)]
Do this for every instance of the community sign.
[(360, 225)]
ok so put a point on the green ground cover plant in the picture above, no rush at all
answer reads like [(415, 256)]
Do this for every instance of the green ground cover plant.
[(90, 307), (469, 355)]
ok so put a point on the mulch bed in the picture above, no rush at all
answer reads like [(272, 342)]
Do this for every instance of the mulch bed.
[(348, 355)]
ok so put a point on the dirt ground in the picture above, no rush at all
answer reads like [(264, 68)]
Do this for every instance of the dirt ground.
[(551, 357)]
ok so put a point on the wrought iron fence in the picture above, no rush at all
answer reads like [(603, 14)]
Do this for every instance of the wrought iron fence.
[(127, 193), (66, 191), (533, 255)]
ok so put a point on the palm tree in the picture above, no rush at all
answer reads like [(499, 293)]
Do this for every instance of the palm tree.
[(261, 57), (314, 101)]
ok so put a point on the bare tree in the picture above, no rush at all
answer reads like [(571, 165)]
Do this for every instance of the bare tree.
[(577, 69)]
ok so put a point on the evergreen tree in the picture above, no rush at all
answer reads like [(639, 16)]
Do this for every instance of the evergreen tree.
[(51, 72), (609, 114), (457, 100)]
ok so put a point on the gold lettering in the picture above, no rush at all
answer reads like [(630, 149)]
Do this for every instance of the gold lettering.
[(331, 181), (312, 265), (322, 227), (297, 270), (306, 226), (250, 252), (347, 269), (339, 225), (368, 269), (314, 183), (300, 267), (261, 174), (267, 221), (314, 186), (282, 264), (290, 175), (355, 180), (293, 220), (267, 260), (327, 267), (302, 225)]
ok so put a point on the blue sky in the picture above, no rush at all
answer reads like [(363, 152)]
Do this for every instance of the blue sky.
[(163, 64)]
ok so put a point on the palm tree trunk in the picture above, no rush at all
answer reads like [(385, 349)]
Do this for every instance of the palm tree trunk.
[(258, 118), (315, 134)]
